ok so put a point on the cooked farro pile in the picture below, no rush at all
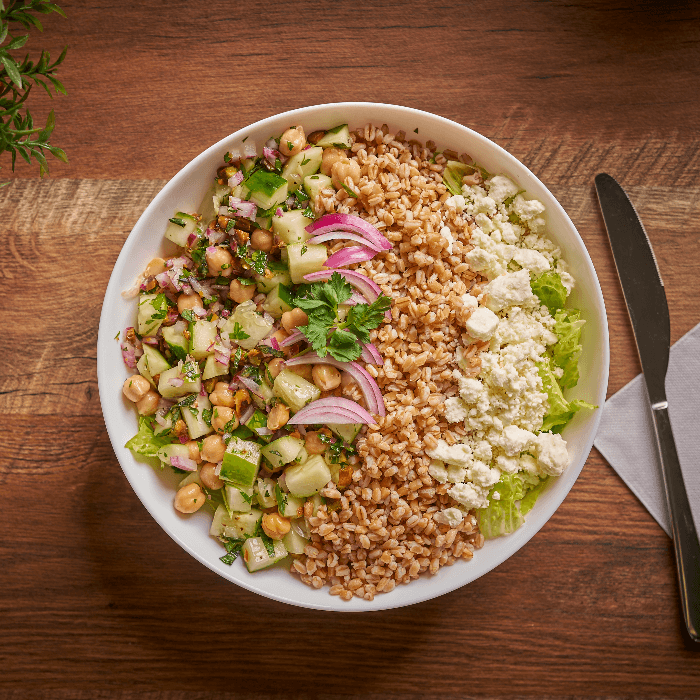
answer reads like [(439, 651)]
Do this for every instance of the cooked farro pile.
[(375, 423)]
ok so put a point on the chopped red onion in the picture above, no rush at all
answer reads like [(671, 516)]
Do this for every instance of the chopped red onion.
[(247, 414), (189, 465), (217, 468), (235, 179), (128, 355), (292, 339), (271, 154), (214, 236), (351, 223), (278, 211), (191, 239), (263, 431), (201, 313), (160, 419), (249, 384), (249, 149), (176, 381), (350, 256), (150, 340), (333, 409)]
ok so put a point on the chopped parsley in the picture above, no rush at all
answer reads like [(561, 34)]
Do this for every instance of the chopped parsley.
[(233, 549), (238, 332), (348, 190)]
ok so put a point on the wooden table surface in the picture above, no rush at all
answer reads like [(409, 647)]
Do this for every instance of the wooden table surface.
[(96, 601)]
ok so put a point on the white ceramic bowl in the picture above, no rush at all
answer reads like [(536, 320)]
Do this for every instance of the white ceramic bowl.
[(185, 191)]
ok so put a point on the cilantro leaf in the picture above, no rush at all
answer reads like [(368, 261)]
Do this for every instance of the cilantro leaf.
[(317, 334), (238, 332), (362, 318), (344, 346)]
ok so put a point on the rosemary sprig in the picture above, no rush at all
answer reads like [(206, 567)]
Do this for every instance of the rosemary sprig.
[(18, 135)]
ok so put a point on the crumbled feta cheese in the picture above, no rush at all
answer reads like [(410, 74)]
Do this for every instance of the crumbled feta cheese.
[(527, 209), (470, 389), (501, 188), (510, 289), (515, 440), (438, 471), (469, 496), (531, 260), (447, 235), (450, 516), (552, 455), (455, 410), (482, 323), (482, 451), (458, 455), (469, 301)]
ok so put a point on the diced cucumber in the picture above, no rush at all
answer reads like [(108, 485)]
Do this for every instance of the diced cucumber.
[(175, 449), (294, 390), (240, 525), (317, 500), (217, 523), (302, 457), (265, 492), (313, 184), (209, 208), (180, 227), (337, 137), (153, 308), (306, 162), (151, 363), (193, 415), (213, 368), (175, 338), (202, 337), (241, 463), (294, 543), (239, 500), (266, 394), (256, 556), (266, 189), (188, 372), (282, 451), (347, 433), (290, 227), (267, 284), (250, 322), (278, 301), (258, 420), (191, 478), (309, 478), (287, 505), (305, 258)]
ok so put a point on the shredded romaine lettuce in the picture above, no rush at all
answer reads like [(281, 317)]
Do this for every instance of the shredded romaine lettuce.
[(567, 350), (550, 290), (145, 442), (560, 410), (517, 494), (453, 174)]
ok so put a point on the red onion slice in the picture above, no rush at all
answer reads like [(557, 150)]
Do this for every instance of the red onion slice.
[(371, 355), (176, 381), (249, 149), (235, 179), (369, 388), (249, 384), (367, 287), (247, 414), (333, 409), (271, 154), (353, 224), (189, 465), (350, 256), (342, 236), (292, 339), (129, 355)]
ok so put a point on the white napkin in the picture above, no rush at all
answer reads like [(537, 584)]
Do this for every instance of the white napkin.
[(626, 438)]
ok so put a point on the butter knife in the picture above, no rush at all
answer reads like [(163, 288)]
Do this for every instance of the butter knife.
[(644, 295)]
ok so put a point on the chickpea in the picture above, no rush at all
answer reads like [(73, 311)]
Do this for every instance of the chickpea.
[(278, 416), (155, 267), (189, 301), (190, 498), (292, 141), (209, 478), (148, 403), (303, 371), (261, 240), (275, 526), (241, 292), (222, 416), (291, 320), (313, 443), (275, 366), (222, 395), (343, 169), (326, 377), (135, 387), (213, 448), (219, 262), (193, 448), (330, 157)]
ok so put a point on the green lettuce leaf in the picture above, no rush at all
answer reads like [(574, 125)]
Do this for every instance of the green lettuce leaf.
[(560, 410), (453, 174), (145, 442), (550, 290), (567, 350), (517, 495)]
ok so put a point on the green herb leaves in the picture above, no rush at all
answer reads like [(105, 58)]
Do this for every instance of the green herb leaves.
[(326, 332), (18, 135)]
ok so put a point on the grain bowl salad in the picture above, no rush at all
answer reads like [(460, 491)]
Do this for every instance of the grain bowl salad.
[(355, 357)]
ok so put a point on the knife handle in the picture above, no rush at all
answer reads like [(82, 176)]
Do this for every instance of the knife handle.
[(685, 537)]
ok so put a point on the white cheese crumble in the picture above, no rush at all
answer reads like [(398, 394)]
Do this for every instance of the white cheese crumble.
[(503, 408)]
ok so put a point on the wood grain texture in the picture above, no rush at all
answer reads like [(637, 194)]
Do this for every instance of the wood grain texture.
[(97, 602)]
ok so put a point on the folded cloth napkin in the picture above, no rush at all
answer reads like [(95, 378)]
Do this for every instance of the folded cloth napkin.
[(626, 434)]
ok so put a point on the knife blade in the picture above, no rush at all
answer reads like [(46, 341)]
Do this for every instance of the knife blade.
[(646, 302)]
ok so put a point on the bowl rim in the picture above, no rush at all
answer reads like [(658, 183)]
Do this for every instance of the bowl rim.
[(325, 602)]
